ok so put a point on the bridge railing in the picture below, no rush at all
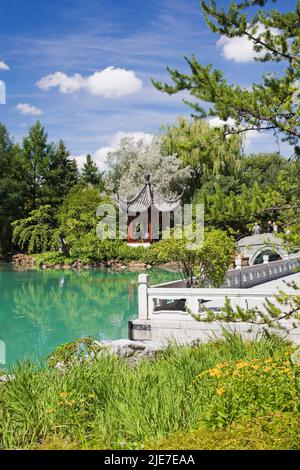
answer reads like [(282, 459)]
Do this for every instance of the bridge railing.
[(174, 297), (250, 276)]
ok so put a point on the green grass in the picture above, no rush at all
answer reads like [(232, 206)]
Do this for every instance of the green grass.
[(106, 403)]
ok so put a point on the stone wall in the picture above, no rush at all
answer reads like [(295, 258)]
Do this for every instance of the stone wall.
[(184, 329)]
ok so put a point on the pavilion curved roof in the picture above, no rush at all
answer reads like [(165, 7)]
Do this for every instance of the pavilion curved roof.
[(147, 197)]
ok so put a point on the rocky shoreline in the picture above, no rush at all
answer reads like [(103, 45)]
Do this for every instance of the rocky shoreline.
[(23, 261), (132, 351)]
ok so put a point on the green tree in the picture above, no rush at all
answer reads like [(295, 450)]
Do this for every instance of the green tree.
[(78, 219), (237, 212), (128, 163), (11, 188), (263, 169), (61, 175), (91, 174), (201, 266), (36, 155), (272, 104), (35, 233), (198, 146), (289, 210)]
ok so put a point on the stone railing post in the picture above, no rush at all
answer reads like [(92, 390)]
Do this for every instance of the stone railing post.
[(265, 259), (239, 265), (2, 352), (143, 296)]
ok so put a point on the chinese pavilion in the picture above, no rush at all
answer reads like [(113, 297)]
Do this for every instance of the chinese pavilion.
[(142, 209)]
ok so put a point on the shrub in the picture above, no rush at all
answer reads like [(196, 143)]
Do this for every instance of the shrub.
[(277, 431), (249, 388), (204, 264), (53, 257), (91, 250)]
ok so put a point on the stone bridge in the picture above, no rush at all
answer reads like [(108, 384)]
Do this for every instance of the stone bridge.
[(265, 246), (165, 310)]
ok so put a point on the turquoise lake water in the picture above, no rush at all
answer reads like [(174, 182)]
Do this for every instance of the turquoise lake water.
[(41, 309)]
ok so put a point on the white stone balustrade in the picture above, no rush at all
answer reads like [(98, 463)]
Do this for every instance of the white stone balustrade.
[(174, 297)]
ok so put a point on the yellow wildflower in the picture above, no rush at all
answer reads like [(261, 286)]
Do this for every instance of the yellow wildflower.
[(220, 391), (255, 367), (286, 370), (220, 366), (64, 394), (241, 365), (268, 360), (215, 372), (267, 369), (91, 395), (71, 402)]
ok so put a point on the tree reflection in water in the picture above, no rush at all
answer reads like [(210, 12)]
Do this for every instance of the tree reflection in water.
[(42, 309)]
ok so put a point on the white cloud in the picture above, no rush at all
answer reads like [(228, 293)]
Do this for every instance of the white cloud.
[(80, 159), (26, 108), (108, 83), (113, 83), (217, 122), (2, 92), (240, 49), (62, 81), (250, 138), (100, 155), (3, 66)]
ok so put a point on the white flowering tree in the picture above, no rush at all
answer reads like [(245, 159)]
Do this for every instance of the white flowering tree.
[(128, 163)]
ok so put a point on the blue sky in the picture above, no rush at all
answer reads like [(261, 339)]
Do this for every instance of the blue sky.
[(83, 67)]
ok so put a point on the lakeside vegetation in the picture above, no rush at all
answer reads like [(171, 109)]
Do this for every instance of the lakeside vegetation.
[(207, 390), (63, 224)]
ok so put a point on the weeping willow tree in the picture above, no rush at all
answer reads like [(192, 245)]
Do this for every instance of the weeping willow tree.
[(35, 233), (197, 144)]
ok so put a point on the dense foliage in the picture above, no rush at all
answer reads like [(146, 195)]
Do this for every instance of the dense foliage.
[(197, 145), (47, 205), (107, 403), (203, 265)]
